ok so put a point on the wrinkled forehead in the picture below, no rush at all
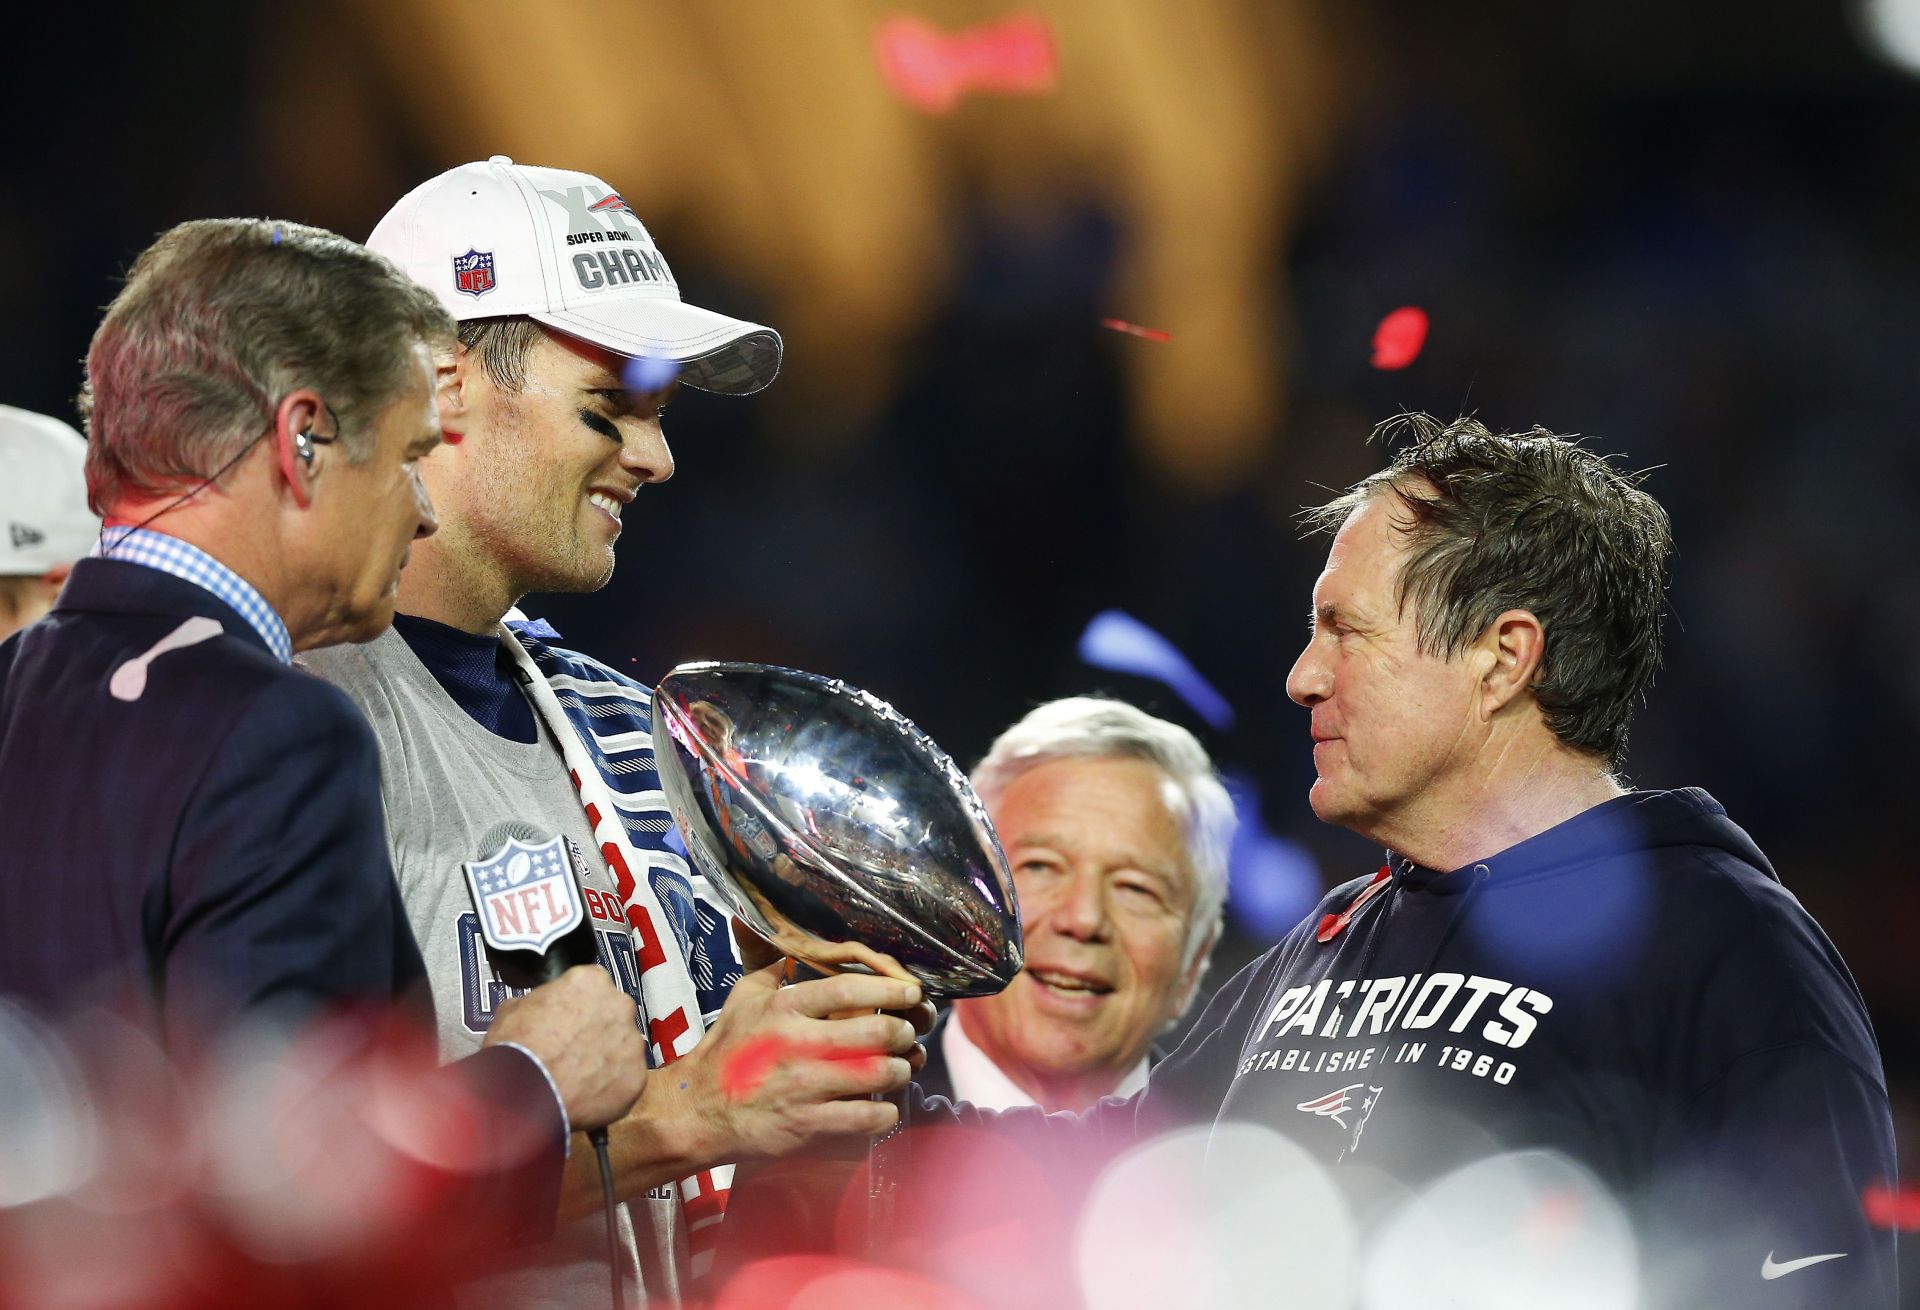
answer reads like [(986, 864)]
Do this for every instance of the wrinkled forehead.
[(1364, 562), (1050, 781)]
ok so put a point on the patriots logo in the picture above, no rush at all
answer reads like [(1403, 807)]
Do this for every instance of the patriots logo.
[(1338, 1105), (612, 201)]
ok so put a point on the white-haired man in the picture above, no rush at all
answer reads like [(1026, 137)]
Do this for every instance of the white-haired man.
[(1116, 829), (43, 513)]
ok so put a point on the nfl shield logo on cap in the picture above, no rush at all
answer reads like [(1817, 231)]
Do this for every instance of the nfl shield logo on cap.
[(526, 895), (473, 272)]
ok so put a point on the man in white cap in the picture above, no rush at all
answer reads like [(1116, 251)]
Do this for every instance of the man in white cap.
[(43, 512), (571, 339)]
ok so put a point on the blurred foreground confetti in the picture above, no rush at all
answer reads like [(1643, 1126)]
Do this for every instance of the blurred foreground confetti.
[(1897, 1208), (1273, 880), (1399, 338), (649, 373), (820, 1282), (1118, 641), (1135, 330), (1562, 1240), (748, 1067), (1235, 1215), (933, 71), (312, 1168)]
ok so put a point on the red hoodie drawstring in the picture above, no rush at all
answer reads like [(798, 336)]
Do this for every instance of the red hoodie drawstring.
[(1331, 925)]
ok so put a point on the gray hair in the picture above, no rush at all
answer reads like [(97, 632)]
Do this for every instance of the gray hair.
[(1529, 521), (1092, 727), (218, 320)]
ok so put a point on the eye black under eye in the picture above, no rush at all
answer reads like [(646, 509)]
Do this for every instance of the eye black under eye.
[(602, 424)]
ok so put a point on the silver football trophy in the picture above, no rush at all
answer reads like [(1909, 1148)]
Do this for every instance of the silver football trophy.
[(839, 832), (834, 828)]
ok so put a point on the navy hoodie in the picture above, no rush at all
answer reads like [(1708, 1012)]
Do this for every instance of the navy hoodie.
[(1633, 989)]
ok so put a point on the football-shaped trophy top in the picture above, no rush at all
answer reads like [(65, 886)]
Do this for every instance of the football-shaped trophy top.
[(828, 823)]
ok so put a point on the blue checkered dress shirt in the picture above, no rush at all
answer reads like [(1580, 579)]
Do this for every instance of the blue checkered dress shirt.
[(157, 550)]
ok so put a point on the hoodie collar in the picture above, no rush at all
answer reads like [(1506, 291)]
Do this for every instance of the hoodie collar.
[(1639, 820)]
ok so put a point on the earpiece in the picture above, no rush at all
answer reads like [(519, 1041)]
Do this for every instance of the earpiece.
[(303, 445)]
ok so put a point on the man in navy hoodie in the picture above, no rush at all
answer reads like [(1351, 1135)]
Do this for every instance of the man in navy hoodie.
[(1546, 961)]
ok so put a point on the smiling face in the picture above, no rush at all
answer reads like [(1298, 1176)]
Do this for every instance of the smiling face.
[(533, 494), (1394, 729), (1106, 892)]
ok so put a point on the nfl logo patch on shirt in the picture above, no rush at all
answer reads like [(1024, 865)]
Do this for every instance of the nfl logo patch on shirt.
[(526, 895), (473, 272)]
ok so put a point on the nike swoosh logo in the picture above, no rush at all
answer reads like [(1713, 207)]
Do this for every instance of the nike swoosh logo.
[(1770, 1271)]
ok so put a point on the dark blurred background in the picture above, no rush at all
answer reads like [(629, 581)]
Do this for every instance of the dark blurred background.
[(1685, 228)]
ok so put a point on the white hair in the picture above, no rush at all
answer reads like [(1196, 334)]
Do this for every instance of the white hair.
[(1092, 727)]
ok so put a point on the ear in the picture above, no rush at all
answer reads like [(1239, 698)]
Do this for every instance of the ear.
[(452, 378), (1511, 650), (297, 412)]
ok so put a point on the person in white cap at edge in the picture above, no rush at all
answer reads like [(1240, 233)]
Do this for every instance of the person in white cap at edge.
[(43, 513), (571, 331)]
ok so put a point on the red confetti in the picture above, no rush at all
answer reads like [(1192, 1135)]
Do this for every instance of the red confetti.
[(1556, 1216), (933, 71), (1135, 330), (826, 1282), (1897, 1208), (748, 1067), (348, 1117), (1398, 339)]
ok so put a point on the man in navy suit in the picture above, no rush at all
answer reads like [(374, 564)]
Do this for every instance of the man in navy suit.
[(193, 826)]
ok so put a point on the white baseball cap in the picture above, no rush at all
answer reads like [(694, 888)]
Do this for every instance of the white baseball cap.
[(500, 239), (44, 519)]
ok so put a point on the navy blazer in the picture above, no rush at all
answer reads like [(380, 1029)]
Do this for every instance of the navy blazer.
[(211, 848), (214, 846)]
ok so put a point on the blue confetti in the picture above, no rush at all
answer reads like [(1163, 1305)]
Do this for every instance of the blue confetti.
[(648, 373), (1272, 881), (1118, 641), (278, 232)]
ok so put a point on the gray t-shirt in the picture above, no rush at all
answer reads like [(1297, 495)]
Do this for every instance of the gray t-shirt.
[(449, 784)]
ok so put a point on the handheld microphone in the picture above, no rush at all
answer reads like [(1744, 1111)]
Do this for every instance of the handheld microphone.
[(535, 925), (528, 901)]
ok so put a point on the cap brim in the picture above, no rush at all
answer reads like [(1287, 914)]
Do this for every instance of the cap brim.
[(726, 355)]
